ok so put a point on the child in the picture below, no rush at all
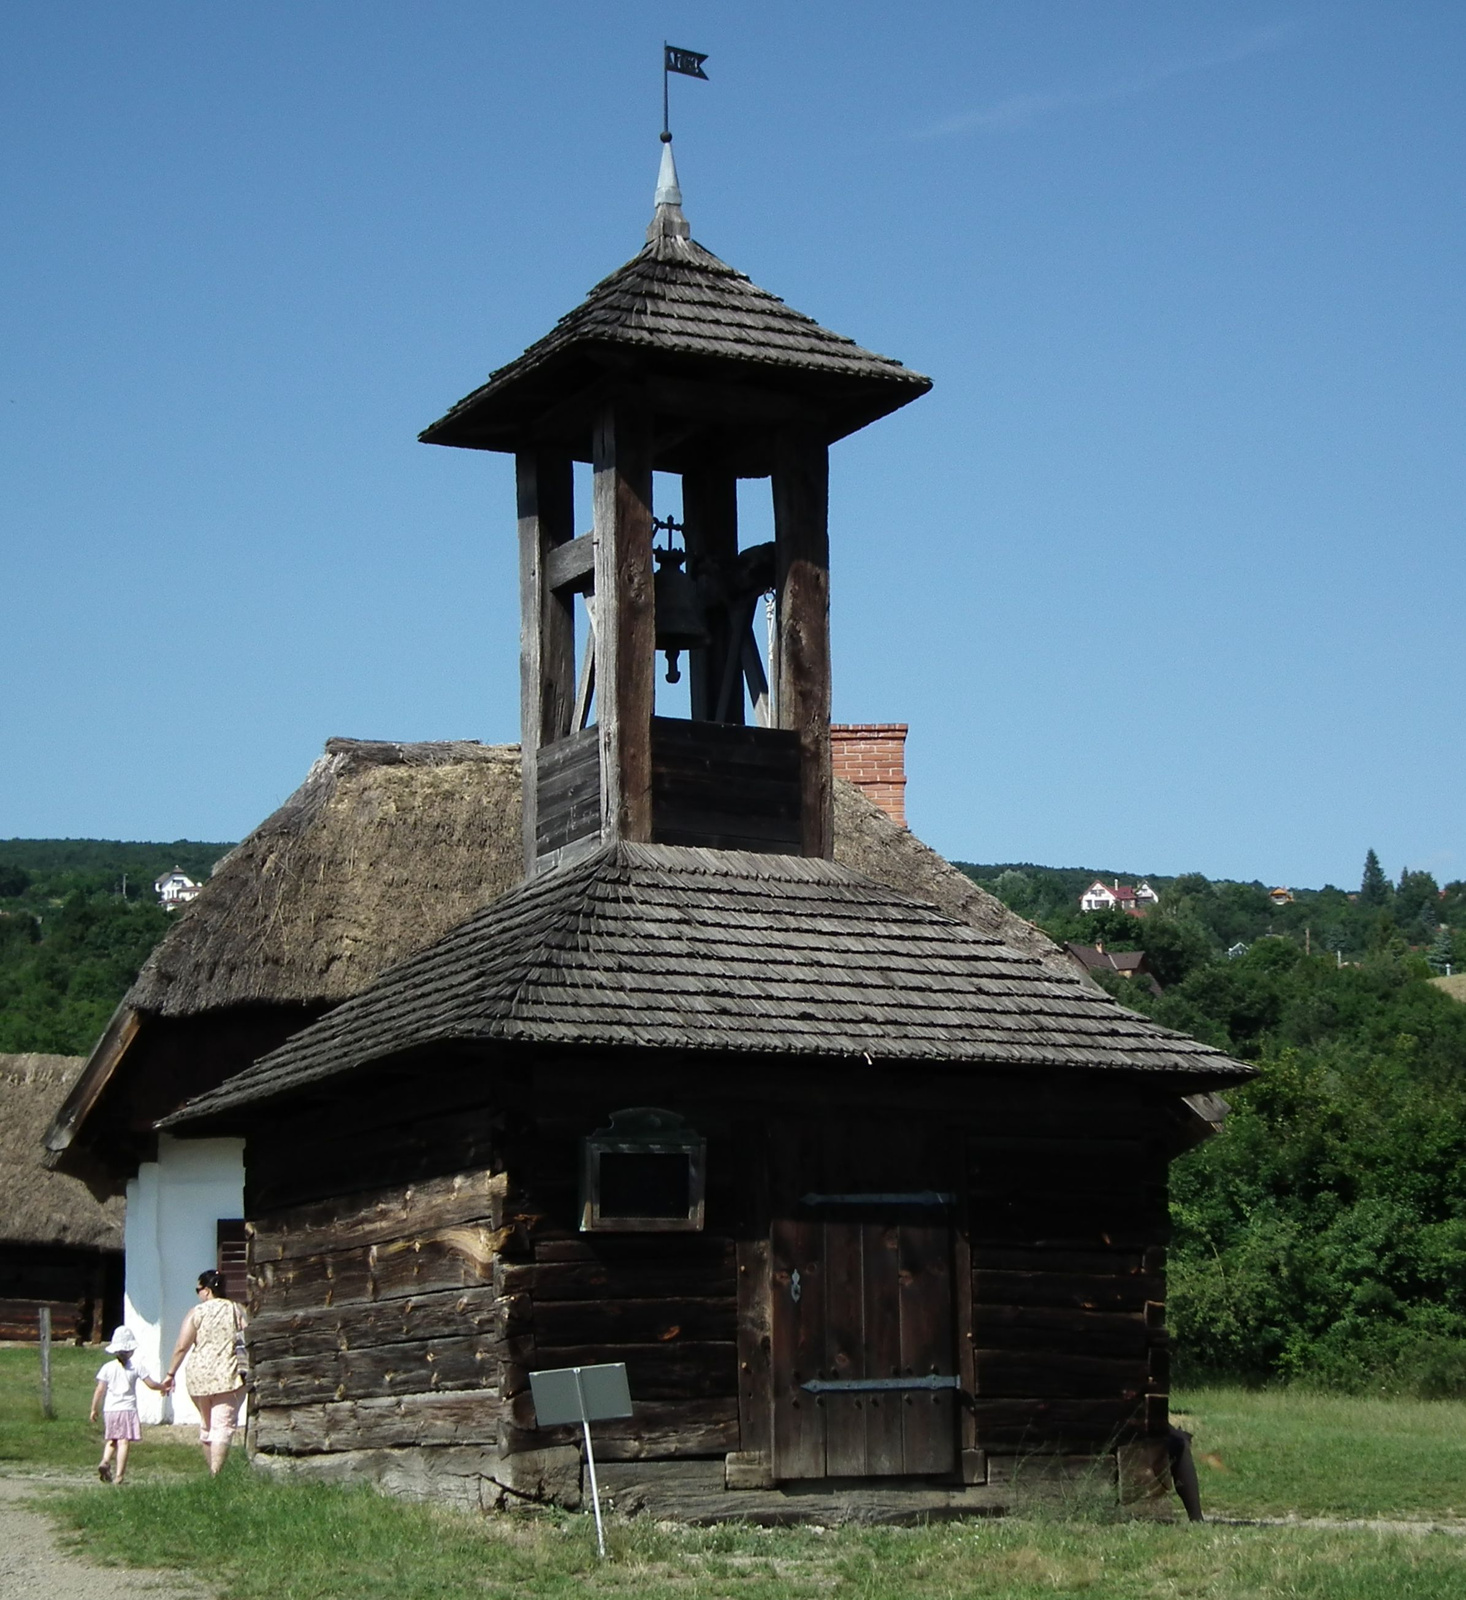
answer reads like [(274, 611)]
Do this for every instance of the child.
[(116, 1393)]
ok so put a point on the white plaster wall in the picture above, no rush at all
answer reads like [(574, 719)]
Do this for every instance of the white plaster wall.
[(173, 1208)]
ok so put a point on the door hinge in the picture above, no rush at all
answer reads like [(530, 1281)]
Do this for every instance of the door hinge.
[(870, 1385)]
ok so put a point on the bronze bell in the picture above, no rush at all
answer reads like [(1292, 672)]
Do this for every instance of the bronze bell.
[(681, 624)]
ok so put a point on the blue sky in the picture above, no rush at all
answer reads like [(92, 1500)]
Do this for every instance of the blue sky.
[(1165, 574)]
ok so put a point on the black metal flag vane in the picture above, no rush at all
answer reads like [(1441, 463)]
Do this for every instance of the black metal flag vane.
[(689, 64)]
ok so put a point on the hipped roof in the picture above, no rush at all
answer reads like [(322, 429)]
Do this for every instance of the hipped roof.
[(677, 310), (669, 948), (37, 1206)]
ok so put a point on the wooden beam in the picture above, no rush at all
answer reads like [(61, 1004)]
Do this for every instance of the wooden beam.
[(802, 667), (625, 619), (710, 518), (572, 566), (586, 688), (546, 620), (753, 676)]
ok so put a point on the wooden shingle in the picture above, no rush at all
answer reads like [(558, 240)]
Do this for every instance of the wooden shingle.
[(662, 947)]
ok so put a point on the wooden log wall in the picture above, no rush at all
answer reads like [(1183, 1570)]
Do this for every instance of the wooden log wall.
[(411, 1313), (1066, 1247), (664, 1303), (375, 1321)]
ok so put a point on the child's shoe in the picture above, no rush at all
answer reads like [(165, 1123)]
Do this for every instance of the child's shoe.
[(104, 1472)]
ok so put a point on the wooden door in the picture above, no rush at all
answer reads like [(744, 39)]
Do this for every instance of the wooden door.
[(862, 1318)]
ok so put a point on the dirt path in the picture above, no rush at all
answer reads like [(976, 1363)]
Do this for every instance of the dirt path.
[(33, 1567)]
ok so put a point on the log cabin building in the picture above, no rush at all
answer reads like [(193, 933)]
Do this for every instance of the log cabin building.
[(871, 1203)]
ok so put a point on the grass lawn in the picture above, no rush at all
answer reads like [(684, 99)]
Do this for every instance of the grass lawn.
[(251, 1538), (29, 1443), (1278, 1451)]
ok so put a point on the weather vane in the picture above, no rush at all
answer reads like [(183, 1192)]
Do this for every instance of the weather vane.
[(689, 64)]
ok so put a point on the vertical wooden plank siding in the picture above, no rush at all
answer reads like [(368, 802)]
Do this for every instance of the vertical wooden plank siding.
[(928, 1421), (710, 516), (845, 1350), (802, 668), (882, 1261), (625, 618), (545, 489)]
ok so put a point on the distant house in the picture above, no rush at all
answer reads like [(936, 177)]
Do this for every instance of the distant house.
[(175, 889), (1137, 899), (1280, 897), (1126, 963)]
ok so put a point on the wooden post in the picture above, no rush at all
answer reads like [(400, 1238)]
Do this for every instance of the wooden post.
[(625, 619), (99, 1301), (48, 1409), (546, 620), (801, 481), (710, 517)]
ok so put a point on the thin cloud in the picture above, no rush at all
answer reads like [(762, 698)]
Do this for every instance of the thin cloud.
[(1024, 110)]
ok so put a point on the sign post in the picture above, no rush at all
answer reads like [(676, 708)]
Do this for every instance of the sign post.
[(43, 1319), (584, 1395)]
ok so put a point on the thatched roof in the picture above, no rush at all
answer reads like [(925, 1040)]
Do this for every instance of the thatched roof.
[(677, 309), (668, 947), (37, 1206), (383, 848)]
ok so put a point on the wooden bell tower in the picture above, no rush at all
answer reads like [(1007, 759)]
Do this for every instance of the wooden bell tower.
[(675, 364)]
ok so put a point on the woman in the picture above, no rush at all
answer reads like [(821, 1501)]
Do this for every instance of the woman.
[(211, 1337)]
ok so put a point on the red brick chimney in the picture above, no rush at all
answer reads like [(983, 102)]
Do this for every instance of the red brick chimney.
[(872, 756)]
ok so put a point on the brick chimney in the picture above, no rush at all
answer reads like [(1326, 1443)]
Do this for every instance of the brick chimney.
[(872, 756)]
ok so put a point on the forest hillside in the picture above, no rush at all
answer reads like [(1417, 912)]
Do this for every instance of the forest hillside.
[(77, 919)]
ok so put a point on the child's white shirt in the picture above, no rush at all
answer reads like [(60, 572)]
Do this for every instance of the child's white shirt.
[(121, 1380)]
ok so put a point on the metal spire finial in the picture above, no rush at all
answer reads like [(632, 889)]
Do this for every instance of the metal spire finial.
[(668, 221), (668, 192)]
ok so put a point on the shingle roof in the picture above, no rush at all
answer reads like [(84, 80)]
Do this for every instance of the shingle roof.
[(667, 947), (675, 299)]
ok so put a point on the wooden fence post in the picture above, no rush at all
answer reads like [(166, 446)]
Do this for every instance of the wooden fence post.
[(48, 1410)]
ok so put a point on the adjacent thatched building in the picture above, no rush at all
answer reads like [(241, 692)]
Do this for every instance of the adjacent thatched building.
[(59, 1245)]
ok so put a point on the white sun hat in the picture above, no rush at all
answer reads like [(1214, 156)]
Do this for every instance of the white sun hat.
[(124, 1342)]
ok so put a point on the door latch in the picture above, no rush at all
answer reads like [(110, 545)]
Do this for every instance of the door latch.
[(795, 1287)]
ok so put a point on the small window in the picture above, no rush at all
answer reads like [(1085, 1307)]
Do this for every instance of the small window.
[(643, 1174)]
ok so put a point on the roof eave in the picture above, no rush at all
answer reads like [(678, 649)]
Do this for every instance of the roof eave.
[(101, 1068), (558, 396)]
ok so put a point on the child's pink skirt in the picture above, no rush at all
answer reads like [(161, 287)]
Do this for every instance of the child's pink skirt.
[(121, 1425)]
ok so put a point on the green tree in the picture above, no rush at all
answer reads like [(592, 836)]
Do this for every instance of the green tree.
[(1417, 904), (1174, 946), (1442, 950), (1374, 889)]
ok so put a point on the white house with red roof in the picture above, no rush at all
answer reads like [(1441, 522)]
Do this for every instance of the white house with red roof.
[(1137, 899)]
